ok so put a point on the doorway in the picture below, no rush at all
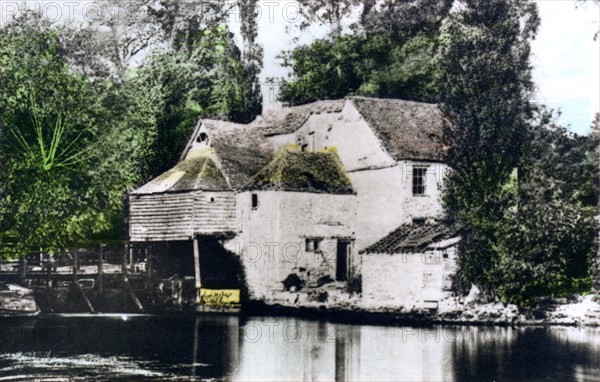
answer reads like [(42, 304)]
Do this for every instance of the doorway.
[(343, 257)]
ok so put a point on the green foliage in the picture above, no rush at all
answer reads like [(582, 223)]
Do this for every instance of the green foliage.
[(168, 92), (392, 52), (49, 131), (71, 146), (545, 242), (388, 65), (530, 232), (252, 58)]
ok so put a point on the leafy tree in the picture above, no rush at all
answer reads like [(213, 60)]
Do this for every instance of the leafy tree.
[(252, 58), (392, 54), (546, 239), (595, 138), (485, 79), (424, 16), (522, 187), (388, 65), (330, 12), (48, 143), (168, 92)]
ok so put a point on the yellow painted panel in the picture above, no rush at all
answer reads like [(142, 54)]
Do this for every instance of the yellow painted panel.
[(219, 296)]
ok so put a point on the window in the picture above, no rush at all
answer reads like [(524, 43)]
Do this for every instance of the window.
[(202, 138), (419, 180), (312, 245), (418, 221), (254, 201)]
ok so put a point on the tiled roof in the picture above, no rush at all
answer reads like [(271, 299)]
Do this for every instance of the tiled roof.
[(294, 170), (410, 238), (407, 130), (287, 120)]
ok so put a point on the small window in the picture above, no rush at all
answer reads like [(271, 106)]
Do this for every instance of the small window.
[(254, 201), (313, 245), (419, 180), (202, 138), (418, 221)]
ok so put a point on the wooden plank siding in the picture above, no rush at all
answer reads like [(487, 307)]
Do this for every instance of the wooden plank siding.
[(214, 212), (180, 216)]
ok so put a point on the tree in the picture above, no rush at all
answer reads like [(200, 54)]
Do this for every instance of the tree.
[(546, 239), (330, 12), (381, 64), (170, 90), (402, 16), (49, 134), (392, 53), (485, 82), (595, 138), (252, 58)]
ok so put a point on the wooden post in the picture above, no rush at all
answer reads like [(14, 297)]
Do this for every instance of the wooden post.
[(125, 253), (148, 266), (195, 350), (23, 270), (197, 267), (131, 260), (100, 268), (75, 264), (49, 272)]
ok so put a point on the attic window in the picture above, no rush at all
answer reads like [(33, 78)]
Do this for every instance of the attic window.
[(254, 201), (418, 221), (202, 138), (419, 174)]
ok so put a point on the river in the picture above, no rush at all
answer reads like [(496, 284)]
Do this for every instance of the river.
[(212, 347)]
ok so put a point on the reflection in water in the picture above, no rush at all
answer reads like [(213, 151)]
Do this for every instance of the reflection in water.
[(266, 349)]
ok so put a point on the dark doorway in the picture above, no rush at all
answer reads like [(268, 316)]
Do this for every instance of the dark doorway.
[(343, 254)]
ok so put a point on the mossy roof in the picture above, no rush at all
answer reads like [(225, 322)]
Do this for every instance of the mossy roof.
[(197, 172), (295, 170)]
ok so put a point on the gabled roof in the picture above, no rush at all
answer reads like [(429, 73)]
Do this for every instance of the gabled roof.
[(240, 150), (287, 120), (410, 238), (406, 129), (197, 172), (294, 170)]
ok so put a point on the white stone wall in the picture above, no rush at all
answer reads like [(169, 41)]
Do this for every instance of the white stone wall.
[(386, 199), (407, 280), (272, 242), (383, 185)]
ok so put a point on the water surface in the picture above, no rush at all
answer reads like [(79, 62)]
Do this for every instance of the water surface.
[(210, 347)]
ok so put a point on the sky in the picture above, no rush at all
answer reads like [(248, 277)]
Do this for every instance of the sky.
[(566, 61), (566, 58)]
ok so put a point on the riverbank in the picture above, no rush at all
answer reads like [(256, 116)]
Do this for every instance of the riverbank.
[(333, 303)]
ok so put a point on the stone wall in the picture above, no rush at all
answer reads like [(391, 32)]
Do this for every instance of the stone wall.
[(272, 244), (407, 280), (383, 185)]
